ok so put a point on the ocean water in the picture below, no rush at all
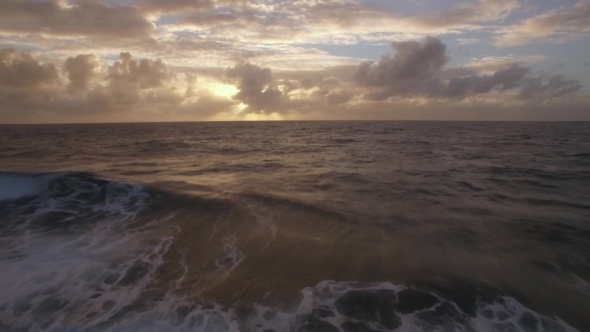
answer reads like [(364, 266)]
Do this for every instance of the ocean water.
[(295, 226)]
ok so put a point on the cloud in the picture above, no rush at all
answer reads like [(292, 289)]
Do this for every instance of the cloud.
[(554, 26), (471, 109), (333, 21), (211, 20), (81, 71), (337, 13), (176, 6), (467, 14), (277, 34), (254, 85), (130, 82), (26, 84), (418, 70), (505, 79), (339, 97), (549, 87), (22, 70), (415, 82), (144, 73), (127, 89), (84, 18), (410, 71), (491, 64), (301, 93), (293, 22), (412, 61)]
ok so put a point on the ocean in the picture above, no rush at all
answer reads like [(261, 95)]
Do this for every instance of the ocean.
[(295, 226)]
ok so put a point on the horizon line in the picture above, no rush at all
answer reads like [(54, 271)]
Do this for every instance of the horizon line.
[(274, 121)]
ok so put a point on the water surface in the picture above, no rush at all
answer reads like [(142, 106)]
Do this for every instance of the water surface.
[(295, 226)]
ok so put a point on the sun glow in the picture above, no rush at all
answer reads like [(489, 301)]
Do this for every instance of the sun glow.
[(263, 117), (223, 90)]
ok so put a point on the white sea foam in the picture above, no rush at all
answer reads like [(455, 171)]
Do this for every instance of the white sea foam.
[(51, 274), (102, 281), (174, 313)]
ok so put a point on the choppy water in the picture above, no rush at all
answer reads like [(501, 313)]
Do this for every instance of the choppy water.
[(302, 226)]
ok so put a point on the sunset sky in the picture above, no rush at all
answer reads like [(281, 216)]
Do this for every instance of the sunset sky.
[(196, 60)]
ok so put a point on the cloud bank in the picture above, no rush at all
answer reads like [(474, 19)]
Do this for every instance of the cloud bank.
[(412, 76), (176, 60)]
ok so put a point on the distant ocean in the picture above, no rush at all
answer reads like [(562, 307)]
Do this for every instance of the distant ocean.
[(295, 226)]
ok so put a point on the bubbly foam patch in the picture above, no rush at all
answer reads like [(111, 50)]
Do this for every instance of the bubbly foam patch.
[(82, 281)]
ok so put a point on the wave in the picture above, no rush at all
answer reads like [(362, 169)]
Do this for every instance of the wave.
[(110, 277), (71, 247), (62, 198), (18, 185)]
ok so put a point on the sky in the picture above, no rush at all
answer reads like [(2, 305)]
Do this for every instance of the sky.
[(69, 61)]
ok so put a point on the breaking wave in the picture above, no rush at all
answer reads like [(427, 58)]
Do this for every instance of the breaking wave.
[(15, 186), (79, 254)]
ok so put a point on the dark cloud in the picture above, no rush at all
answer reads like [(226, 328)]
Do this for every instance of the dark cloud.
[(340, 73), (22, 70), (98, 98), (502, 80), (417, 69), (255, 86), (147, 73), (548, 87), (412, 61), (83, 18), (409, 72), (328, 90), (26, 84), (81, 70), (339, 97), (302, 95), (127, 77)]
